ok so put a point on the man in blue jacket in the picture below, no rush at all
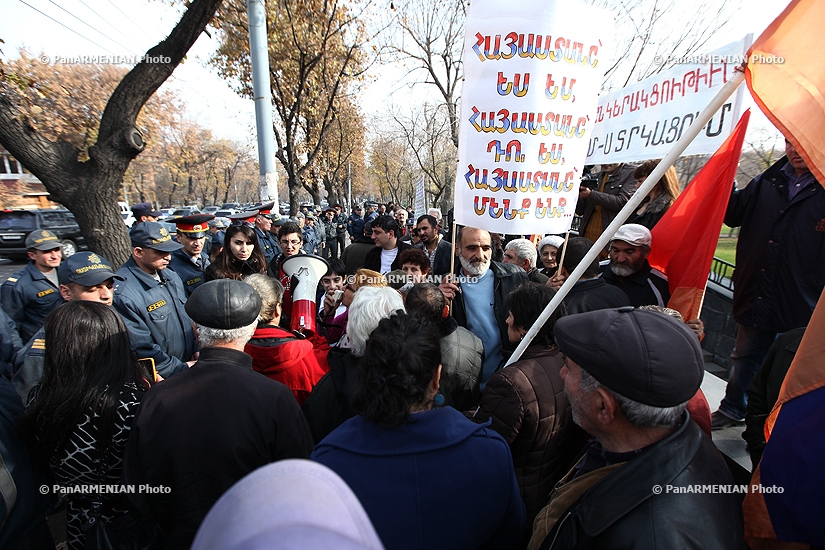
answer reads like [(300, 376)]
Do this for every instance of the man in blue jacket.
[(780, 270), (190, 261), (151, 298), (32, 293)]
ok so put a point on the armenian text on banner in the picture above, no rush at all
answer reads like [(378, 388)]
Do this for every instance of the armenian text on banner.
[(643, 121), (532, 74)]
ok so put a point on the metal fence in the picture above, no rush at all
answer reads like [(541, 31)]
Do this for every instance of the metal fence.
[(721, 273)]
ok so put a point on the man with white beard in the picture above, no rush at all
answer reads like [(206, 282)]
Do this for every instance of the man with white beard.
[(479, 295), (628, 268)]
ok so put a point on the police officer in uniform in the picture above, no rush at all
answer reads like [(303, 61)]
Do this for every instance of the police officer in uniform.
[(32, 293), (247, 217), (263, 224), (191, 261), (83, 276), (151, 300), (144, 212)]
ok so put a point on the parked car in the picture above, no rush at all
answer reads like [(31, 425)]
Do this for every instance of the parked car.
[(15, 226), (224, 213), (128, 218), (184, 212), (210, 209)]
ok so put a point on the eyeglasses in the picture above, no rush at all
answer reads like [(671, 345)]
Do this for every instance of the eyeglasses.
[(350, 288), (290, 243)]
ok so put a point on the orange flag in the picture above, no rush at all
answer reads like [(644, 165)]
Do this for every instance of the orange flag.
[(786, 77), (685, 238)]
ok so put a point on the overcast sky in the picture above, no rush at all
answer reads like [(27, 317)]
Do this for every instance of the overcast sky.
[(118, 27)]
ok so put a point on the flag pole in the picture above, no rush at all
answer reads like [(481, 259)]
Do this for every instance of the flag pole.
[(451, 275), (560, 261), (673, 155)]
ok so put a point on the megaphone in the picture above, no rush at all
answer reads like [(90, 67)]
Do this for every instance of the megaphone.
[(307, 269)]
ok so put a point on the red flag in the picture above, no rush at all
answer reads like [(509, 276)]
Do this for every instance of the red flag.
[(786, 77), (685, 239)]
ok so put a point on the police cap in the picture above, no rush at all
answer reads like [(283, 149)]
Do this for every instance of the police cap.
[(42, 239), (87, 269), (195, 226), (153, 235)]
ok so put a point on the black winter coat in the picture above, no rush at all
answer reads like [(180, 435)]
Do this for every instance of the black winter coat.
[(204, 429), (780, 255), (618, 189), (623, 511), (593, 294)]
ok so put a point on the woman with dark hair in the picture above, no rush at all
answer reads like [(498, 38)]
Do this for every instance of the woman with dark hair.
[(79, 417), (241, 256), (415, 264), (527, 403), (408, 463), (659, 199)]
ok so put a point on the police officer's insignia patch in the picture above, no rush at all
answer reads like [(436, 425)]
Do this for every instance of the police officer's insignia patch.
[(156, 305), (94, 258), (163, 232), (46, 234)]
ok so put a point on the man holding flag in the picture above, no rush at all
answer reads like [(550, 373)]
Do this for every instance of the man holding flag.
[(780, 271)]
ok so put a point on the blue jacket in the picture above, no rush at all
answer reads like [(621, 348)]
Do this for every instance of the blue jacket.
[(28, 297), (189, 274), (438, 481), (28, 364), (269, 245), (355, 226), (313, 237), (153, 312), (780, 256)]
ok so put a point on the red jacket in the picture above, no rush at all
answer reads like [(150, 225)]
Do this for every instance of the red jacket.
[(282, 356)]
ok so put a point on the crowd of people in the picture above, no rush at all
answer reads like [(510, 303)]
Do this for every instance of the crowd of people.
[(187, 374)]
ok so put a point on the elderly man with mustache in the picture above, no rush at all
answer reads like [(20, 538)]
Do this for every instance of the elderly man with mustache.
[(478, 295)]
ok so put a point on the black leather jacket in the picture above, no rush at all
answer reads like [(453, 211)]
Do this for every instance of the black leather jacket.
[(507, 277), (622, 511)]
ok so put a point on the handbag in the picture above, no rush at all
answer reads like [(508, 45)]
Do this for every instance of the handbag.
[(123, 532)]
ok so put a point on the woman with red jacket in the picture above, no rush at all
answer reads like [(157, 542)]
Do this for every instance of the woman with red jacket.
[(279, 354)]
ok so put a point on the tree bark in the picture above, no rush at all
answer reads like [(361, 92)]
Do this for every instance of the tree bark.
[(90, 189)]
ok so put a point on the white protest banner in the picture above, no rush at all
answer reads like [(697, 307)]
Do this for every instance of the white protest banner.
[(642, 121), (527, 108), (420, 199)]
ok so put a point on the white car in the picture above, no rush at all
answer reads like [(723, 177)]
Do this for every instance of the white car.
[(128, 218)]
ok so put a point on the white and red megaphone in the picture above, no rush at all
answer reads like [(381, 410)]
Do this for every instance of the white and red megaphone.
[(307, 270)]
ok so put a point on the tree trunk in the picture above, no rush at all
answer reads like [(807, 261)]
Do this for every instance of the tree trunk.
[(90, 189)]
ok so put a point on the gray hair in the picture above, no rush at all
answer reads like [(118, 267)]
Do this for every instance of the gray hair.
[(208, 336), (369, 306), (638, 414), (524, 249), (271, 292)]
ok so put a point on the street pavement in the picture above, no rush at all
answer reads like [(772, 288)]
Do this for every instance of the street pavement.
[(9, 267)]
